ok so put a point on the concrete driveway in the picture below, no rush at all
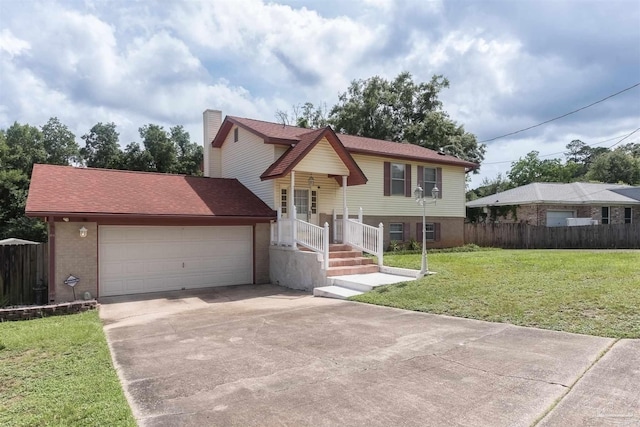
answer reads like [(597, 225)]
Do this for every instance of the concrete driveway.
[(266, 356)]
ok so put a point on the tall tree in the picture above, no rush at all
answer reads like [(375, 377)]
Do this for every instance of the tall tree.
[(134, 158), (617, 166), (532, 169), (59, 143), (161, 148), (403, 111), (24, 147), (189, 154), (101, 148)]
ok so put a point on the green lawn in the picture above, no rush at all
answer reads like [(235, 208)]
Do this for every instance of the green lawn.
[(587, 292), (57, 371)]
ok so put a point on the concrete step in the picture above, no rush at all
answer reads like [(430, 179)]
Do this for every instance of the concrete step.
[(345, 254), (341, 262), (355, 269), (344, 282), (334, 292)]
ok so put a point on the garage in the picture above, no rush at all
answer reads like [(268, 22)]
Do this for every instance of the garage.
[(558, 218), (140, 259), (115, 232)]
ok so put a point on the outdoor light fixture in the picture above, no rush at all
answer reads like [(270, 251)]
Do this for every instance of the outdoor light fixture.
[(311, 181), (83, 232), (420, 199)]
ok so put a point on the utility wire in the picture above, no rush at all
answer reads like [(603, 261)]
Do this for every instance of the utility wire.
[(564, 115), (562, 152)]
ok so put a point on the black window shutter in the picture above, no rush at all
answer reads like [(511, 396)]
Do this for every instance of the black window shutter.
[(387, 178), (407, 180), (419, 232)]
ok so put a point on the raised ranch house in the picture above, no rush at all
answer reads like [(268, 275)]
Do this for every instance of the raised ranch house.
[(558, 204), (268, 191)]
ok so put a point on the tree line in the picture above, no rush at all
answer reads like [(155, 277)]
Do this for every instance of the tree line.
[(23, 145), (581, 163)]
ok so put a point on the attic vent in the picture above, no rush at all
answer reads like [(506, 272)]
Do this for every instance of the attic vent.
[(442, 153)]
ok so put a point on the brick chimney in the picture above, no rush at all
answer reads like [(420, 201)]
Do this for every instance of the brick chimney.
[(212, 120)]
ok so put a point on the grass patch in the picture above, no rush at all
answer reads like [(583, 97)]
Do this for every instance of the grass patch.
[(57, 371), (586, 292)]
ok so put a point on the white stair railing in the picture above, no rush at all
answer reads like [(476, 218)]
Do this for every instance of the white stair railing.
[(365, 237), (315, 238)]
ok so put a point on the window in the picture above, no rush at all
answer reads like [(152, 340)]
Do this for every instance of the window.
[(430, 179), (628, 213), (431, 232), (314, 202), (301, 200), (605, 215), (283, 200), (396, 231), (235, 135), (397, 179)]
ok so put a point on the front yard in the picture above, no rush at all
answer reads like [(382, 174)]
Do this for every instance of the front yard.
[(57, 371), (586, 292)]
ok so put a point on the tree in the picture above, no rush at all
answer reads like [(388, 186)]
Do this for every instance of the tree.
[(306, 115), (20, 147), (617, 166), (161, 148), (134, 158), (24, 148), (403, 111), (489, 187), (531, 169), (59, 143), (189, 154), (101, 148)]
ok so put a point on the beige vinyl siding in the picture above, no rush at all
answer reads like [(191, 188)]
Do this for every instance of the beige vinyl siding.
[(245, 160), (322, 159), (371, 195)]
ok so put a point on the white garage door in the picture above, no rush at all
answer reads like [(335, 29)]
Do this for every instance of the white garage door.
[(558, 218), (136, 259)]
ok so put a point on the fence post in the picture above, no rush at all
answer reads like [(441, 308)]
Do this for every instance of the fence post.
[(360, 215), (325, 245), (380, 248)]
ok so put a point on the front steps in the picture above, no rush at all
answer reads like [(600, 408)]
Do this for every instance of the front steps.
[(343, 261)]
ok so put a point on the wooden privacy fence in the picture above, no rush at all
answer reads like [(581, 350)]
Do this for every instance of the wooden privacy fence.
[(22, 268), (524, 236)]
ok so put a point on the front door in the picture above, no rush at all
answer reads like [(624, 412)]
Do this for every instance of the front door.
[(306, 202)]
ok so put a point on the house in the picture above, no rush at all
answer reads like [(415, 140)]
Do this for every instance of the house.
[(268, 190), (559, 204), (332, 173)]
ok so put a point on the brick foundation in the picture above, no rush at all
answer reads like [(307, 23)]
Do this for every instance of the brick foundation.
[(38, 311)]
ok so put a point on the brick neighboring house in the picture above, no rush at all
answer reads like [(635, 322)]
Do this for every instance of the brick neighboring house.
[(551, 204)]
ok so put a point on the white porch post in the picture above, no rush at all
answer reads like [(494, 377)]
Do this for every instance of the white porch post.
[(345, 211), (360, 215), (279, 218), (325, 245), (292, 208), (335, 227)]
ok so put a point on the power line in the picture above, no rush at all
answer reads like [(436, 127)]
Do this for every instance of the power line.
[(564, 115), (562, 152)]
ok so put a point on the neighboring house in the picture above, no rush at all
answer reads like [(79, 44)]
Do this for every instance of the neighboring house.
[(330, 172), (552, 204), (123, 232)]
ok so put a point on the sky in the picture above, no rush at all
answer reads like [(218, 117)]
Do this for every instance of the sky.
[(511, 63)]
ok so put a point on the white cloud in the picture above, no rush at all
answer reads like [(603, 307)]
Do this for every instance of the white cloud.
[(12, 45)]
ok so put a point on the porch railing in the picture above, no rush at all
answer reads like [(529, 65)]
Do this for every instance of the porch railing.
[(295, 231)]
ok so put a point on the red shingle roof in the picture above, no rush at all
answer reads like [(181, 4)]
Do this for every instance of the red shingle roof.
[(284, 134), (57, 190)]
